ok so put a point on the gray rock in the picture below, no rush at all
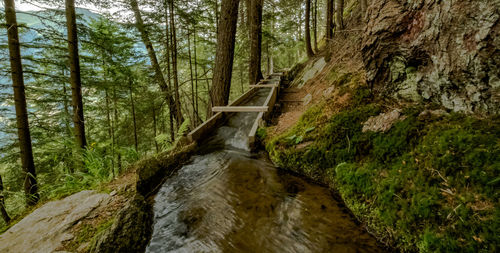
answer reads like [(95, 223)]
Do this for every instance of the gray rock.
[(307, 99), (46, 228), (382, 122)]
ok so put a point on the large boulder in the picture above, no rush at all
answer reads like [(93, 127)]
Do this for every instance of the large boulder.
[(131, 230), (447, 52), (48, 227)]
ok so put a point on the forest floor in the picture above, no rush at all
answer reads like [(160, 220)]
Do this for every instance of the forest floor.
[(419, 177)]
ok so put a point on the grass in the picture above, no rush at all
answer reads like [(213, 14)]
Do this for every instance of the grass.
[(428, 184)]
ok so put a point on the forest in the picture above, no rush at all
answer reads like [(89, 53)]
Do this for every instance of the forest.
[(393, 112), (144, 75)]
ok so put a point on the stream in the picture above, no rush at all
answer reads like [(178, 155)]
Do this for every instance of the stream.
[(227, 199)]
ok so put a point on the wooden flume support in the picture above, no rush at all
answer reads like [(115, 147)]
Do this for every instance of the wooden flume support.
[(273, 81)]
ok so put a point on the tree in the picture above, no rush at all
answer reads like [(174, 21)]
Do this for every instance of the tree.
[(3, 212), (177, 114), (340, 14), (329, 20), (173, 41), (23, 130), (76, 82), (222, 73), (307, 29), (255, 34)]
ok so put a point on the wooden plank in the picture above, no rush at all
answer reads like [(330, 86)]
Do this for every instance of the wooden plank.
[(264, 85), (240, 100), (255, 127), (207, 126), (240, 109), (217, 119)]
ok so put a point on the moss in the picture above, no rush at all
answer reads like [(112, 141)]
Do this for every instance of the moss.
[(428, 184), (88, 233)]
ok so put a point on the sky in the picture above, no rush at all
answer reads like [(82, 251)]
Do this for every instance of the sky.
[(23, 5)]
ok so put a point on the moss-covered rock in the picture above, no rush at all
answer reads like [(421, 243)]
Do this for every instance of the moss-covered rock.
[(130, 231), (429, 183), (151, 172)]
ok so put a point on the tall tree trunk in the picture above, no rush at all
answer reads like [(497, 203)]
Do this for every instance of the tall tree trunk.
[(154, 127), (154, 60), (110, 131), (309, 50), (117, 121), (3, 212), (329, 20), (207, 83), (221, 81), (196, 75), (76, 82), (173, 40), (315, 25), (132, 104), (255, 34), (171, 105), (339, 8), (23, 130), (193, 102)]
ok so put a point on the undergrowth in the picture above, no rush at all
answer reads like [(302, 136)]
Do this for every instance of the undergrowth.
[(430, 183)]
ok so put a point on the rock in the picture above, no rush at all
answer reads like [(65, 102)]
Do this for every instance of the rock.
[(151, 172), (46, 228), (432, 113), (113, 193), (310, 72), (131, 230), (307, 99), (382, 122), (446, 52), (328, 91)]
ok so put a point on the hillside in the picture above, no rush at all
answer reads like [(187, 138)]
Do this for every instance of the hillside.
[(419, 169)]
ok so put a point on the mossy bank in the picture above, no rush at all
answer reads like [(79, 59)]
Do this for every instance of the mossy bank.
[(419, 177)]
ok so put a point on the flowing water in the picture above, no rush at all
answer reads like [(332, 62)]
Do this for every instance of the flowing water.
[(230, 200)]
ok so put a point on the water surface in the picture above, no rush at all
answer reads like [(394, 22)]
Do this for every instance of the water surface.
[(230, 200)]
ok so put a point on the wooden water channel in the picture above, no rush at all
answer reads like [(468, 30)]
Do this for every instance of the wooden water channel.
[(223, 112)]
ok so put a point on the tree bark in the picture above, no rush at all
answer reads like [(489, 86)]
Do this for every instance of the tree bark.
[(307, 30), (154, 127), (196, 75), (23, 130), (173, 41), (193, 102), (3, 212), (329, 20), (132, 104), (154, 60), (171, 105), (339, 9), (76, 81), (255, 34), (222, 73)]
